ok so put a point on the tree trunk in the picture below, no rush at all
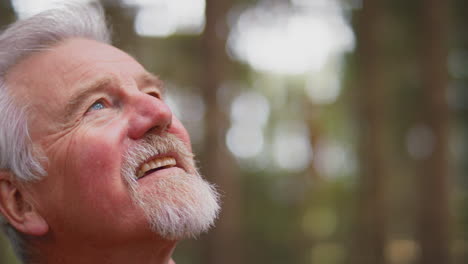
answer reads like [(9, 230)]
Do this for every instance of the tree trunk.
[(434, 201), (371, 233), (122, 20), (7, 14), (223, 243)]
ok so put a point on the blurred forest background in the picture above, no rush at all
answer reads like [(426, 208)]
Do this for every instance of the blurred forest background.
[(337, 130)]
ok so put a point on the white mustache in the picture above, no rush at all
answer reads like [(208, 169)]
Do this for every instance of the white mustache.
[(152, 145)]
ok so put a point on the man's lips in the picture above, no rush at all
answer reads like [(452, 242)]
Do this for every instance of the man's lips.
[(157, 163)]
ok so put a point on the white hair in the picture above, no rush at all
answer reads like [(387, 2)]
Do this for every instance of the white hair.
[(18, 155)]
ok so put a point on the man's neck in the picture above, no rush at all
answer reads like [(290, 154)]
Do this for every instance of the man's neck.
[(150, 253)]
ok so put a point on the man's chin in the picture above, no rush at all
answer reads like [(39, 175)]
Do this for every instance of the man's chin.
[(178, 205)]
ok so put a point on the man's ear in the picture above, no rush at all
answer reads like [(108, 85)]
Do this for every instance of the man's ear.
[(18, 210)]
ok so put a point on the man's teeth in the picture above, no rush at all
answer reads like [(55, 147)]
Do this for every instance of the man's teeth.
[(156, 164)]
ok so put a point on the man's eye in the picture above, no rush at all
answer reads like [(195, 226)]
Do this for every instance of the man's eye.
[(155, 94), (96, 106)]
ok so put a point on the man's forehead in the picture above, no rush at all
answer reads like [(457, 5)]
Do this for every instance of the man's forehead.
[(71, 61)]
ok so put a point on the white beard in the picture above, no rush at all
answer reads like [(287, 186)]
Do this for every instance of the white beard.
[(176, 206)]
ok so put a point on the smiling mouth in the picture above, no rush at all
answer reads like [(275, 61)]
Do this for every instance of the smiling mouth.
[(156, 164)]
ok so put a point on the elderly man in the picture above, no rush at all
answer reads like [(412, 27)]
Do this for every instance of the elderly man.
[(94, 168)]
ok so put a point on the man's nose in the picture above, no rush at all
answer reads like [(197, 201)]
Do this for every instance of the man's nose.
[(150, 114)]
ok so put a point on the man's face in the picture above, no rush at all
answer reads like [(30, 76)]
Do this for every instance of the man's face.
[(91, 105)]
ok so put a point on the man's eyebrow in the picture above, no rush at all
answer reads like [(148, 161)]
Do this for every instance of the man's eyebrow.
[(99, 84), (84, 91), (148, 79)]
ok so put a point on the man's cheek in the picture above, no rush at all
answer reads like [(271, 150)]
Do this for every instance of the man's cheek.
[(97, 165), (179, 130), (100, 188), (98, 149)]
